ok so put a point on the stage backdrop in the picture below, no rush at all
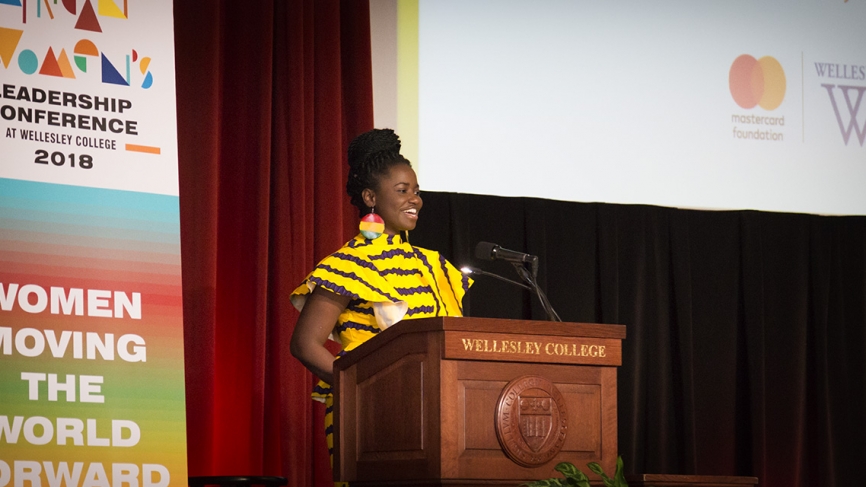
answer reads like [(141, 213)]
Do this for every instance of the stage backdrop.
[(708, 105), (91, 337), (746, 346)]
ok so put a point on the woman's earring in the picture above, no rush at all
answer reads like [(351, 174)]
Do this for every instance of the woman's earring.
[(372, 225)]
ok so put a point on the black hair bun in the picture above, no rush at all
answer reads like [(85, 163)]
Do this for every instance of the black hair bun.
[(370, 143), (371, 156)]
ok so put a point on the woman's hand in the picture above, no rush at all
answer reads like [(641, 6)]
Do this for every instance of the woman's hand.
[(315, 324)]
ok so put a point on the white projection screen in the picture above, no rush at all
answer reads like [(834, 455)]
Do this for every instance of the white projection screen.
[(691, 104)]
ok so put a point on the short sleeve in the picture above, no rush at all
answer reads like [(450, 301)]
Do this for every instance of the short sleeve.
[(357, 278)]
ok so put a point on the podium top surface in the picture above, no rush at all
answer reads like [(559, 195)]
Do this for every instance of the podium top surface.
[(498, 325), (489, 326)]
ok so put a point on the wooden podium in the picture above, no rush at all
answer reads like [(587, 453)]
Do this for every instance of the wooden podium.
[(474, 401)]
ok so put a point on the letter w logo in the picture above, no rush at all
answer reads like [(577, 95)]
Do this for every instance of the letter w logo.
[(853, 111)]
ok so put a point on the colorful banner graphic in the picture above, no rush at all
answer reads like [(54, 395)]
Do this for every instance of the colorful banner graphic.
[(87, 93), (91, 322)]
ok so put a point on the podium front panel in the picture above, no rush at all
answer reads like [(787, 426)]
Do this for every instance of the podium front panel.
[(476, 388), (387, 418)]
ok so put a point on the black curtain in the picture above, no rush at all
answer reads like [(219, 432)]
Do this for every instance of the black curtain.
[(746, 330)]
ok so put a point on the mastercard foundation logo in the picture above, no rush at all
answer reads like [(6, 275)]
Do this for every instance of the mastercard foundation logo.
[(757, 82)]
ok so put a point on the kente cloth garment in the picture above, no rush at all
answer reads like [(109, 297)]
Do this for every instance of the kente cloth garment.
[(387, 280)]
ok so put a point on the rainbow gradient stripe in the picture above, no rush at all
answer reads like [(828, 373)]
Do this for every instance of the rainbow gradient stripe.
[(54, 235)]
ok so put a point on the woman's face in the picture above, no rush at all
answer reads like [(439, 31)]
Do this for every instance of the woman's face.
[(397, 199)]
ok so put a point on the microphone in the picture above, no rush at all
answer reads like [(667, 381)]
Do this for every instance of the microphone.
[(491, 251)]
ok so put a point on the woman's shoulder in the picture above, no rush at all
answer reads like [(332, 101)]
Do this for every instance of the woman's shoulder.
[(381, 248), (364, 251), (425, 250)]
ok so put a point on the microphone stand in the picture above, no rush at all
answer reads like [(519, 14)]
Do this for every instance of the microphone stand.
[(474, 270), (490, 251), (531, 279)]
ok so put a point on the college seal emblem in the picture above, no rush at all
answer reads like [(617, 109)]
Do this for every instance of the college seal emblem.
[(531, 421)]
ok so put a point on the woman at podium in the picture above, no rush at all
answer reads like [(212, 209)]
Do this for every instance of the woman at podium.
[(378, 278)]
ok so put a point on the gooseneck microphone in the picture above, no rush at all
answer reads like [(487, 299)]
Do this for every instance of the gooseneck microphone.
[(491, 251), (474, 270)]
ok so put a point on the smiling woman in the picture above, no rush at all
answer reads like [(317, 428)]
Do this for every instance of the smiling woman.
[(371, 283)]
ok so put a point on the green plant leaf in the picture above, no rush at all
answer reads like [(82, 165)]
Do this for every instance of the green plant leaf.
[(574, 482), (567, 468), (582, 479), (545, 483), (619, 476), (575, 478), (595, 467)]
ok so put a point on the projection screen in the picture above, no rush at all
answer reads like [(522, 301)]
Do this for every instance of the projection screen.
[(695, 104)]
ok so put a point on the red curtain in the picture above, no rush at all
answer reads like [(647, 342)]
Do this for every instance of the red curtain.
[(269, 94)]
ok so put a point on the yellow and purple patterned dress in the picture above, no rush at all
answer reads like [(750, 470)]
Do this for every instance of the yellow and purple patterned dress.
[(388, 280)]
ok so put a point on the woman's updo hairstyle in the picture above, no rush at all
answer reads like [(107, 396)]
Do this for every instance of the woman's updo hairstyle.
[(371, 156)]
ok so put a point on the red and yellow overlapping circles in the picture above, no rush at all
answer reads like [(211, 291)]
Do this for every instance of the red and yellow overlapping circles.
[(757, 82)]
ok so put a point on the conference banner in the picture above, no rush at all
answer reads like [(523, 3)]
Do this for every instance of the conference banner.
[(91, 330)]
